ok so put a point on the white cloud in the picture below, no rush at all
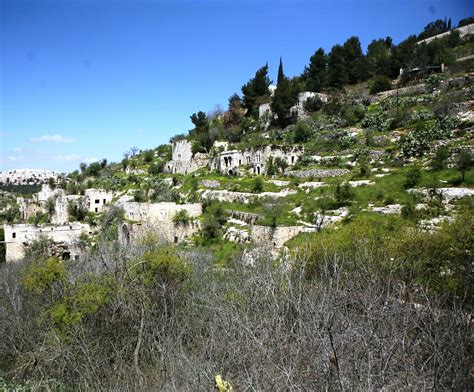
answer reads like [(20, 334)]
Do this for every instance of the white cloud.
[(69, 157), (56, 138), (18, 149), (16, 158)]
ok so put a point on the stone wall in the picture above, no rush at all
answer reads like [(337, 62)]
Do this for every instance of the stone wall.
[(166, 231), (61, 215), (275, 236), (157, 213), (181, 150), (317, 173), (463, 31), (242, 197), (28, 208), (19, 236), (183, 161)]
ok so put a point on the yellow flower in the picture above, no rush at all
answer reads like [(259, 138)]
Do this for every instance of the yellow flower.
[(222, 385)]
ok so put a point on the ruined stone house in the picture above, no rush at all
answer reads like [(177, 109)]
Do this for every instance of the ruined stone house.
[(254, 159), (266, 115), (183, 161), (158, 217), (19, 236)]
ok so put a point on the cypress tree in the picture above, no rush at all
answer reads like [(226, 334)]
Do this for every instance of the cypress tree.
[(281, 75), (284, 98)]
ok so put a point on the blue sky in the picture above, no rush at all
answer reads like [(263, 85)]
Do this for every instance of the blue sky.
[(86, 80)]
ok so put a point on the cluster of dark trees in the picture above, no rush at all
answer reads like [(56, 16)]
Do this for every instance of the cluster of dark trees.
[(344, 65)]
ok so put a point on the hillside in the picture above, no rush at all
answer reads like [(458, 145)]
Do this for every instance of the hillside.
[(318, 232)]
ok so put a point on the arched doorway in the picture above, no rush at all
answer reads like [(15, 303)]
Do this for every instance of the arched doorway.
[(125, 235)]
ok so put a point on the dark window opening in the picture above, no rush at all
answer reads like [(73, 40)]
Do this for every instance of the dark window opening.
[(13, 235), (175, 240), (97, 201), (96, 210), (66, 256), (104, 201)]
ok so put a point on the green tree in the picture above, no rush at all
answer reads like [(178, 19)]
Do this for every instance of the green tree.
[(284, 98), (378, 56), (235, 112), (338, 75), (302, 133), (379, 83), (256, 91), (464, 162), (440, 158), (315, 73), (355, 60), (434, 28), (200, 133)]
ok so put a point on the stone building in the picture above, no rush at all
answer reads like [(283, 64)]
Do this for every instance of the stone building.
[(254, 159), (61, 214), (28, 207), (158, 217), (266, 115), (19, 236), (183, 161), (97, 199)]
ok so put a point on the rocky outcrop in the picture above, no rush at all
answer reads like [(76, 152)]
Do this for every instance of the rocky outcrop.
[(242, 197)]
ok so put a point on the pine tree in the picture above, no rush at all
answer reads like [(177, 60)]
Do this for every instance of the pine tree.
[(315, 72), (379, 56), (255, 91), (284, 98), (337, 71), (355, 60)]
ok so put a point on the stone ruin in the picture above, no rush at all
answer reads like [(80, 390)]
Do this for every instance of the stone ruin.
[(159, 218), (255, 159), (183, 161), (19, 236), (266, 115)]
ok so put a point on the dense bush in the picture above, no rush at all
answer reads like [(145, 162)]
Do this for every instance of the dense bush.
[(146, 317), (313, 104), (379, 83)]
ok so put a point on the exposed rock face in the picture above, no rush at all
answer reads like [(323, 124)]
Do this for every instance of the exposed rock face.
[(317, 173), (19, 236), (391, 209), (360, 183), (234, 234), (46, 192), (211, 184), (276, 236), (449, 194), (242, 197)]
